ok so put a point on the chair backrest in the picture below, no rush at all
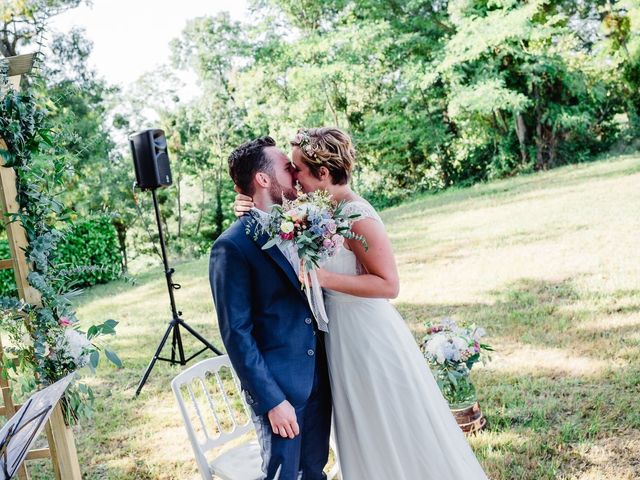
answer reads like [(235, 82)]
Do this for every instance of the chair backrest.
[(212, 406)]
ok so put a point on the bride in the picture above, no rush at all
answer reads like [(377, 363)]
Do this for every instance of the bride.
[(391, 421)]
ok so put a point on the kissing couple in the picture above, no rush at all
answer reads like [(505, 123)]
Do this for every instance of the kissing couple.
[(389, 418)]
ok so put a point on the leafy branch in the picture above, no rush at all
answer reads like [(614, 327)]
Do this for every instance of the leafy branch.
[(46, 341)]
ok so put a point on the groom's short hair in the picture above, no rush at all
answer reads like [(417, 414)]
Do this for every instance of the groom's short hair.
[(249, 159)]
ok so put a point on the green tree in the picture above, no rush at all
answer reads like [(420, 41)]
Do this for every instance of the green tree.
[(22, 22), (621, 26), (206, 130), (514, 88)]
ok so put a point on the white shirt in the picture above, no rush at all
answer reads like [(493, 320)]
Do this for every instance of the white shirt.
[(289, 251)]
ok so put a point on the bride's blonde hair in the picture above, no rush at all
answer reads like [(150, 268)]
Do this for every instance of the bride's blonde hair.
[(327, 147)]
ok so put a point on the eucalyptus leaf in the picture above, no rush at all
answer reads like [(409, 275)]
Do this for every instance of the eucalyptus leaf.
[(270, 243), (113, 358), (94, 359), (92, 331)]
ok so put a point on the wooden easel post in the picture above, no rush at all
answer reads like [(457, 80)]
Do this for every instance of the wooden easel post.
[(62, 448)]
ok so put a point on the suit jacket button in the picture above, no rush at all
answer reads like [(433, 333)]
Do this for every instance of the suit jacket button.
[(310, 352), (307, 321)]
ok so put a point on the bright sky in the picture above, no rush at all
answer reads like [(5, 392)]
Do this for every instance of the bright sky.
[(131, 37)]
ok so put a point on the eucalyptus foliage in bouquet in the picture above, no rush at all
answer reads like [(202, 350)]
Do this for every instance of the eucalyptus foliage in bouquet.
[(452, 351)]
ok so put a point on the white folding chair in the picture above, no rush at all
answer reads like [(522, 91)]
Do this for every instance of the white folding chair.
[(211, 420), (206, 404)]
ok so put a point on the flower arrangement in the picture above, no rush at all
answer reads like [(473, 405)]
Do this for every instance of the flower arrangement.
[(314, 224), (451, 351), (42, 350)]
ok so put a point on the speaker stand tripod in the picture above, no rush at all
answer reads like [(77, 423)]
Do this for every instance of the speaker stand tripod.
[(177, 350)]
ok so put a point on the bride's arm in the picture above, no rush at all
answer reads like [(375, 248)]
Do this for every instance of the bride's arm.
[(381, 277)]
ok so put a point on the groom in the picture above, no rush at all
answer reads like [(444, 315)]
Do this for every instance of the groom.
[(267, 326)]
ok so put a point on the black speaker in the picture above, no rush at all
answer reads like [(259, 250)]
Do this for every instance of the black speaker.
[(150, 159)]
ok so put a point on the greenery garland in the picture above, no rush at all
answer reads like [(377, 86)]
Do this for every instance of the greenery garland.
[(45, 341)]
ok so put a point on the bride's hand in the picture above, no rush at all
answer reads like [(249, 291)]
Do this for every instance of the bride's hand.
[(321, 273), (242, 205), (301, 273)]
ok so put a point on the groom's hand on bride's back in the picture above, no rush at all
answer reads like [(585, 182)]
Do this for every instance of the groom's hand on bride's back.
[(283, 420), (243, 203)]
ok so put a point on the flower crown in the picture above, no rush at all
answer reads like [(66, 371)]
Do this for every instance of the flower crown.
[(303, 140)]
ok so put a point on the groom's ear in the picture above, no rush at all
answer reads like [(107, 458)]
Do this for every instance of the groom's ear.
[(262, 180)]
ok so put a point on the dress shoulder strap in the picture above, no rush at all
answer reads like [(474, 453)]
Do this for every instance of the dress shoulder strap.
[(362, 208)]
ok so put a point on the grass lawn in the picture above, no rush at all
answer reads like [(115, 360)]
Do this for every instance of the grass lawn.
[(548, 263)]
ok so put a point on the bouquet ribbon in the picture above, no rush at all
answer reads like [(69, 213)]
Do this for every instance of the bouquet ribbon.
[(315, 299)]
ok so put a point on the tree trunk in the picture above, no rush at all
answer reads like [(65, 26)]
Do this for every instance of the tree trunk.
[(633, 113), (554, 140), (521, 132), (546, 146), (179, 202), (500, 121), (539, 147), (202, 203), (8, 45), (219, 217), (331, 107), (165, 221), (121, 231)]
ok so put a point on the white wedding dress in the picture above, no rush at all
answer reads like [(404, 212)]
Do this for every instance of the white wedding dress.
[(390, 420)]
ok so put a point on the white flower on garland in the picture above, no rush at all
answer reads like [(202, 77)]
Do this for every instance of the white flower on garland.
[(75, 345)]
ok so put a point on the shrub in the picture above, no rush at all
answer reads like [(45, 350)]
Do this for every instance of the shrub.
[(87, 254)]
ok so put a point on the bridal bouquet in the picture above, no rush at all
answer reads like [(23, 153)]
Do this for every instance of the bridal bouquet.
[(314, 224), (452, 351)]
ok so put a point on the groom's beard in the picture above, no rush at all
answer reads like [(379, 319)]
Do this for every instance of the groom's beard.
[(277, 191)]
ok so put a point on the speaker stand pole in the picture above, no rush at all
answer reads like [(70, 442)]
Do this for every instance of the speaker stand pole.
[(176, 322)]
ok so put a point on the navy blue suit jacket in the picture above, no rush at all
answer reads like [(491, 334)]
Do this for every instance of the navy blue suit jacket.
[(264, 318)]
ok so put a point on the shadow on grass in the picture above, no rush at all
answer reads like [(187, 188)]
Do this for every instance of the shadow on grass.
[(560, 388), (535, 312)]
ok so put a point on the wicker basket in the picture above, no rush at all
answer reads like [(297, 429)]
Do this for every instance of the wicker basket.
[(470, 419)]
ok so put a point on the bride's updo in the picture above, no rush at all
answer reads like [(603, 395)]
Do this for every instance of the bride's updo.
[(327, 147)]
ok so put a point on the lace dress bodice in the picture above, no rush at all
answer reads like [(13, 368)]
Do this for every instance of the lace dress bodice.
[(344, 261)]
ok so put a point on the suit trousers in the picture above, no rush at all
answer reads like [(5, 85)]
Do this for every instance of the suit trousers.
[(304, 456)]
